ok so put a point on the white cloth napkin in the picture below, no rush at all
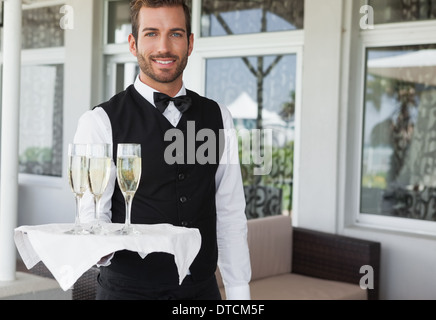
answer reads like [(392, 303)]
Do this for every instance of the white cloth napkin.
[(69, 256)]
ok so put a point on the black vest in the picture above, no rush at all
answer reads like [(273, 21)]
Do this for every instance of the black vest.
[(182, 193)]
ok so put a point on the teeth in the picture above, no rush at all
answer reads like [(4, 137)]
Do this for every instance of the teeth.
[(163, 62)]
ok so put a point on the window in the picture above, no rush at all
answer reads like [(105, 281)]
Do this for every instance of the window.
[(41, 109), (252, 56), (389, 11), (221, 18), (236, 83), (41, 28), (40, 149), (118, 23), (397, 167)]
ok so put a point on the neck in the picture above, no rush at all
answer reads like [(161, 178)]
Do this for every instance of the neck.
[(170, 89)]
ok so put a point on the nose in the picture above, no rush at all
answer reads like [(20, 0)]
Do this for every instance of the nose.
[(164, 45)]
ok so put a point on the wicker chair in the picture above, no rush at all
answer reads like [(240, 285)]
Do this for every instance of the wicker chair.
[(335, 257), (85, 287)]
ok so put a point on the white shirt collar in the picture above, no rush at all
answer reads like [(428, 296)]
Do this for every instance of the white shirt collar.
[(147, 91)]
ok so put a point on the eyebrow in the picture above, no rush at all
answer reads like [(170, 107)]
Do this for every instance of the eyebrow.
[(156, 29)]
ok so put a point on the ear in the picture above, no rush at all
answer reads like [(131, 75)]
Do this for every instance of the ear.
[(191, 44), (132, 44)]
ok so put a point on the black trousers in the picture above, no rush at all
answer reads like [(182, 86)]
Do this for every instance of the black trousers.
[(116, 286)]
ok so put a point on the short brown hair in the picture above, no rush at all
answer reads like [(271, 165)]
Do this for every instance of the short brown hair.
[(136, 5)]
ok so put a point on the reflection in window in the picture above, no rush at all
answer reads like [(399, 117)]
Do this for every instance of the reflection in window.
[(388, 11), (126, 74), (41, 28), (227, 17), (399, 140), (260, 94), (41, 117), (119, 26)]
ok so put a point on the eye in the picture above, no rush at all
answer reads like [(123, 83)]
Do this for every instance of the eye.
[(176, 35), (150, 34)]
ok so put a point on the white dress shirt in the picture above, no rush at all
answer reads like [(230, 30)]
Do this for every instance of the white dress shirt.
[(233, 256)]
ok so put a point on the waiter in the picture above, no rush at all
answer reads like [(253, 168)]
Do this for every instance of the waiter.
[(193, 194)]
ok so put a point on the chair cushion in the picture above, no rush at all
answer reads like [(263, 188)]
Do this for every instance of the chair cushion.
[(293, 286), (270, 243)]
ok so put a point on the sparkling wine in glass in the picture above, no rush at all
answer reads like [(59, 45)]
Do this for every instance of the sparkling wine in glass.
[(78, 180), (99, 162), (129, 168)]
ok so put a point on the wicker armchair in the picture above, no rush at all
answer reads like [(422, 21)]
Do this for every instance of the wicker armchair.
[(335, 257)]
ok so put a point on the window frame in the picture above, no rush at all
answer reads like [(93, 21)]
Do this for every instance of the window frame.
[(41, 56), (383, 35)]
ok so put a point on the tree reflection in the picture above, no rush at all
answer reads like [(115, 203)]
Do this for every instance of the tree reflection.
[(408, 132)]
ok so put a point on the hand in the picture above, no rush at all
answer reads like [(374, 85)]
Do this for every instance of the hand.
[(105, 261)]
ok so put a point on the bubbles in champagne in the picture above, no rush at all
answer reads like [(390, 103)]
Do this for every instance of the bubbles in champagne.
[(78, 174), (128, 173), (99, 173)]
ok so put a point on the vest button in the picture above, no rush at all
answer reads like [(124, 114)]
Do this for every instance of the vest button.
[(181, 176), (183, 199)]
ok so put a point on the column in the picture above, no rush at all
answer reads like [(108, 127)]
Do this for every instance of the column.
[(9, 137)]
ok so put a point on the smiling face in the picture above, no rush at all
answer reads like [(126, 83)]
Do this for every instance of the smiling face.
[(162, 48)]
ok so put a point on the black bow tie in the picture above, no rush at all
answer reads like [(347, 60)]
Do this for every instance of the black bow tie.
[(161, 100)]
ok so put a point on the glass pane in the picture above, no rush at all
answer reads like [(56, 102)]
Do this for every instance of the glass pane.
[(403, 10), (125, 75), (119, 26), (399, 140), (263, 85), (41, 120), (41, 28), (227, 17)]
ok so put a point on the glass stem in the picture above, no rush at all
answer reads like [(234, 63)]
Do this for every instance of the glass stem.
[(77, 218), (128, 210), (97, 209)]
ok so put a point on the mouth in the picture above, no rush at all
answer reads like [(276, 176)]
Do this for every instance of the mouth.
[(164, 62)]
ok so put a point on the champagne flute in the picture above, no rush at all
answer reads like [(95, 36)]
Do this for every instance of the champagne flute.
[(99, 162), (129, 168), (78, 180)]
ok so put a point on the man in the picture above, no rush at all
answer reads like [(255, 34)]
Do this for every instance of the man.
[(208, 196)]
